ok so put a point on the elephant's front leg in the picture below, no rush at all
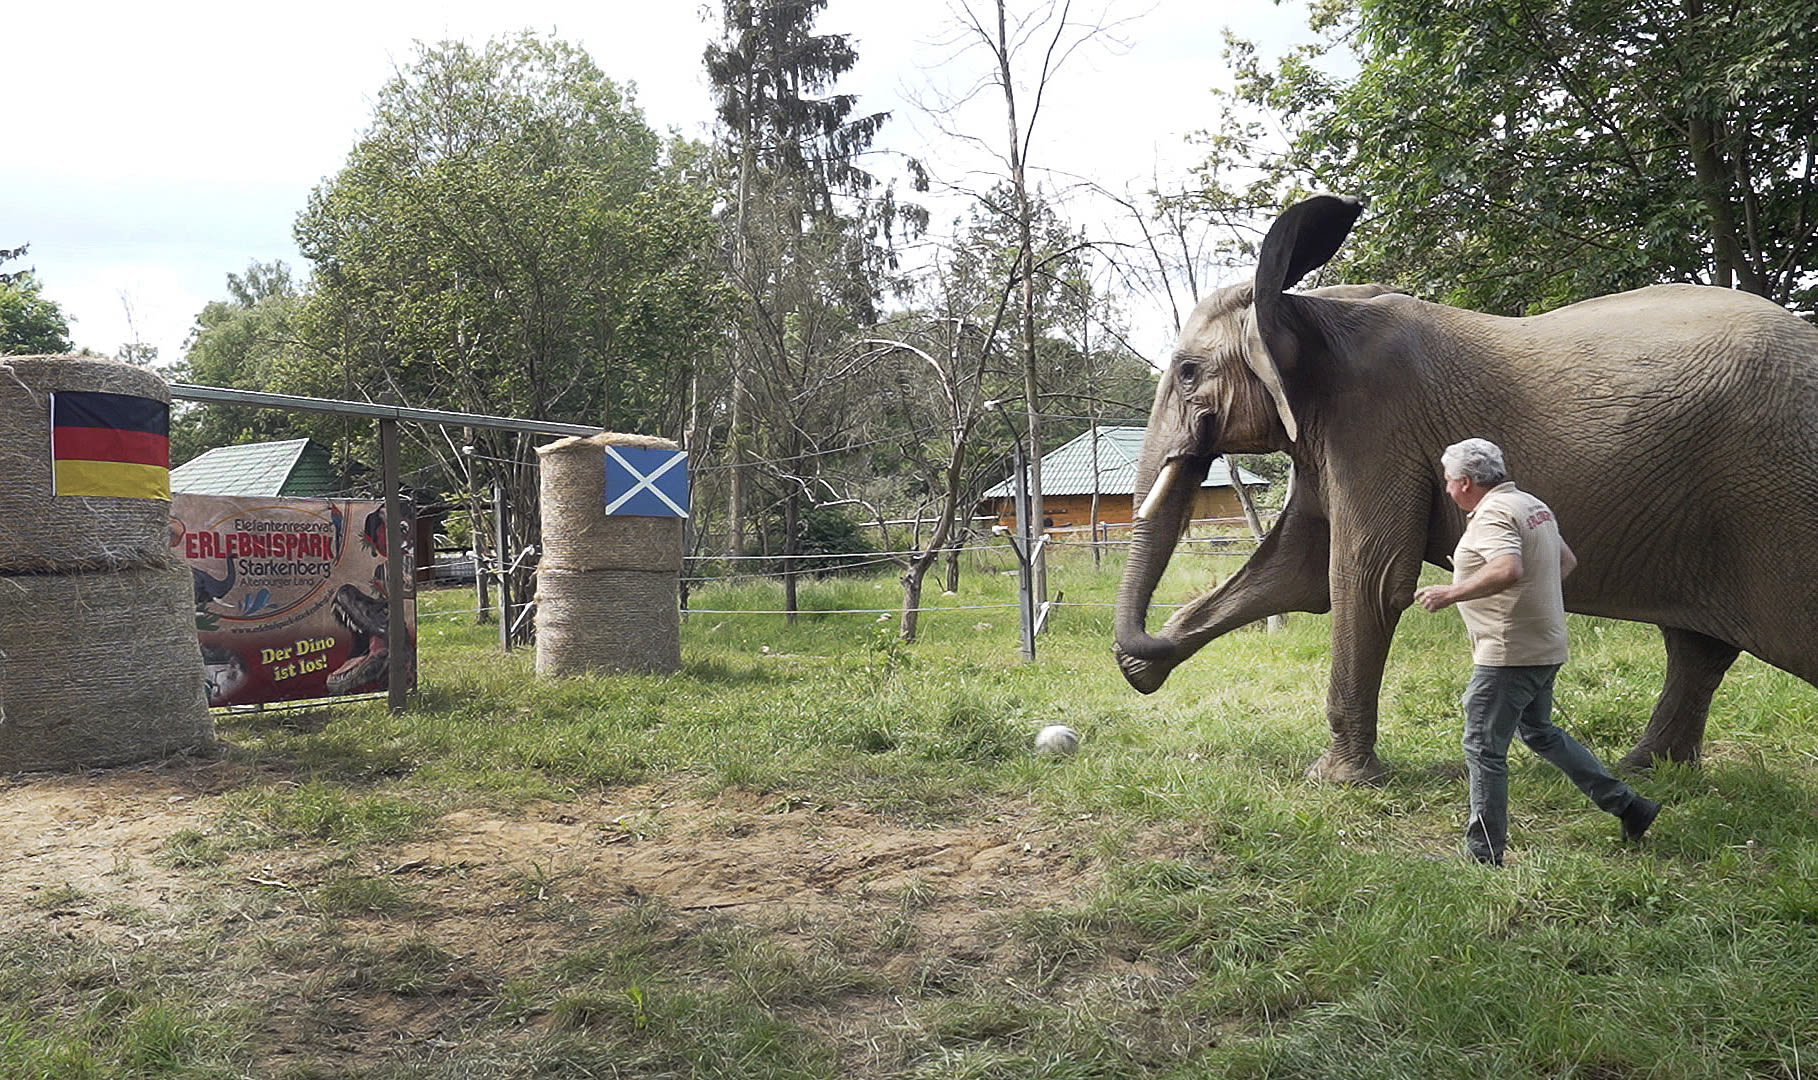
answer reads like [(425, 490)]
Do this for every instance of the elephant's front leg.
[(1286, 573), (1367, 600)]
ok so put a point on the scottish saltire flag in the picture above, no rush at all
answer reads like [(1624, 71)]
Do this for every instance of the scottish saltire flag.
[(643, 481), (109, 444)]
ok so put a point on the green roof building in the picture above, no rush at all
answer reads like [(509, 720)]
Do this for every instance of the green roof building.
[(295, 467), (1069, 480)]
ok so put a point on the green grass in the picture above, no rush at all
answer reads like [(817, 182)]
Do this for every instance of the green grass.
[(75, 1010), (1244, 922)]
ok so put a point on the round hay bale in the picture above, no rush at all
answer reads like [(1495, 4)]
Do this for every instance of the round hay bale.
[(578, 534), (607, 620), (41, 534), (99, 669)]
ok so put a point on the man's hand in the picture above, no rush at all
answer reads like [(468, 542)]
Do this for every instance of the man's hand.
[(1491, 578), (1434, 597)]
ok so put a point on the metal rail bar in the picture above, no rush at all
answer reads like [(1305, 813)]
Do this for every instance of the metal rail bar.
[(220, 395)]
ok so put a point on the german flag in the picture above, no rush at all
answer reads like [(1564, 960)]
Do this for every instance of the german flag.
[(109, 444)]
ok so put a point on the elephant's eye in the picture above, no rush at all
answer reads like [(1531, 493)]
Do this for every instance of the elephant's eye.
[(1187, 371)]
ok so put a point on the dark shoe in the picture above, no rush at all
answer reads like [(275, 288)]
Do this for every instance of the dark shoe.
[(1487, 856), (1479, 846), (1636, 818)]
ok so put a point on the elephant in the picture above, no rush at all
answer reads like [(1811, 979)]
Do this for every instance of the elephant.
[(1673, 430)]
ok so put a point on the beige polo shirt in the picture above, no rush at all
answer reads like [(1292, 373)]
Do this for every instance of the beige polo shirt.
[(1525, 623)]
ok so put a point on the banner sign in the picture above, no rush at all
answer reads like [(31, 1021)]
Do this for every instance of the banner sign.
[(643, 481), (290, 594)]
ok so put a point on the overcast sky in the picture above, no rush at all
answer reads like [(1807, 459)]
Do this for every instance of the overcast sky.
[(151, 149)]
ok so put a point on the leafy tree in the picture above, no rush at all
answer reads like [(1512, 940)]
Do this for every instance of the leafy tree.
[(29, 323), (8, 255), (507, 238), (830, 541), (1523, 156), (248, 341), (510, 237)]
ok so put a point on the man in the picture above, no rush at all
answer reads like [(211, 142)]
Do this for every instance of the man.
[(1506, 575)]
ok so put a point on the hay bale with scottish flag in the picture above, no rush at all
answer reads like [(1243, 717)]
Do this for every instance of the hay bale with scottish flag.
[(85, 452), (613, 507)]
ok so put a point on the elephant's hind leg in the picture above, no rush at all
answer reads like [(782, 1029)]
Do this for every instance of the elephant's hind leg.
[(1695, 667)]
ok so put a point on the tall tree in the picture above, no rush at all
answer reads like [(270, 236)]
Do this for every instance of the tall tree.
[(1523, 156), (1027, 44), (138, 351), (805, 247), (936, 367), (29, 323), (928, 372)]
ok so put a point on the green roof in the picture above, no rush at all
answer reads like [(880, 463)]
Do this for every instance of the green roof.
[(297, 467), (1068, 470)]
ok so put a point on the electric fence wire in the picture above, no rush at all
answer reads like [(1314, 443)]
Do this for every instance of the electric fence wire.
[(847, 611), (841, 563), (883, 556), (860, 559), (466, 612)]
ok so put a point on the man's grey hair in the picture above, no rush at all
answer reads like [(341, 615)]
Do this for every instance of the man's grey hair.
[(1479, 459)]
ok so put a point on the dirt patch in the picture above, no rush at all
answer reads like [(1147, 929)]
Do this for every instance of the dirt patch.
[(745, 852), (81, 851), (495, 896)]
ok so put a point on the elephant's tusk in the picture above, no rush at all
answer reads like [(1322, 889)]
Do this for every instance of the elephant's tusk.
[(1157, 491)]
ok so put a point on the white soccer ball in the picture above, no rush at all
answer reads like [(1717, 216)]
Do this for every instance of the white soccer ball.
[(1056, 740)]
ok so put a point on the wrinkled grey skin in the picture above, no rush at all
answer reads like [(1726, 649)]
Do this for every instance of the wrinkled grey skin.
[(1674, 430)]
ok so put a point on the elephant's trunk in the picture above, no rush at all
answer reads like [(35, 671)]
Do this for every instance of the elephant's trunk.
[(1145, 658)]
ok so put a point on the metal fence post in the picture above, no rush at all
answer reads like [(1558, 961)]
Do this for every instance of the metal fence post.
[(402, 651), (500, 551)]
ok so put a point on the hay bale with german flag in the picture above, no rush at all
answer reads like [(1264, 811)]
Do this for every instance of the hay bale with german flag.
[(99, 663), (85, 450), (99, 669)]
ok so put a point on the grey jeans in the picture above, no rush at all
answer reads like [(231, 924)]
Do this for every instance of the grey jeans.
[(1500, 703)]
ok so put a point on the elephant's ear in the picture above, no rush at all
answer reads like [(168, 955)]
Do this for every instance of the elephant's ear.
[(1301, 241), (1262, 365)]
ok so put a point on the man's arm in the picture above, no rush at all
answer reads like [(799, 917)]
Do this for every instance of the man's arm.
[(1568, 561), (1491, 578)]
